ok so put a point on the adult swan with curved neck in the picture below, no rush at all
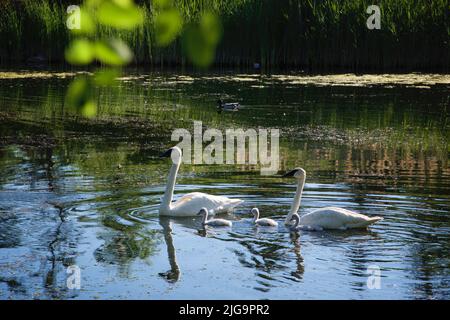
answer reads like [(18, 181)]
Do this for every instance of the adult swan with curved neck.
[(325, 218), (190, 204)]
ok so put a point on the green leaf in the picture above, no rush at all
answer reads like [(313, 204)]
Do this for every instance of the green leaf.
[(92, 3), (200, 40), (80, 52), (211, 27), (87, 24), (89, 109), (168, 25), (124, 3), (79, 93), (198, 49), (114, 52), (120, 16), (106, 77), (162, 3), (79, 97)]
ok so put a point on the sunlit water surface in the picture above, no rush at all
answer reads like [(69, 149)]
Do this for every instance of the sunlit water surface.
[(86, 192)]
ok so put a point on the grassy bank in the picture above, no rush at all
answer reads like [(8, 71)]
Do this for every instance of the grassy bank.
[(315, 35)]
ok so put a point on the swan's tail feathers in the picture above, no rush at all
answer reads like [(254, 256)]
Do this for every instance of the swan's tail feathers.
[(233, 203), (373, 220)]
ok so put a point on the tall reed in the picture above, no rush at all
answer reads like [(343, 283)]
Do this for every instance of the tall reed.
[(313, 35)]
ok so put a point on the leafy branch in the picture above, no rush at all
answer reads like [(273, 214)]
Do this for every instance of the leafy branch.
[(199, 40)]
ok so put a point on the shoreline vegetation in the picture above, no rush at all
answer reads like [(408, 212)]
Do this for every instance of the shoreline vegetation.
[(309, 35), (412, 79)]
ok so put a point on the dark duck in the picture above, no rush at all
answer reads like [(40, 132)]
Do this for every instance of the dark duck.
[(229, 106)]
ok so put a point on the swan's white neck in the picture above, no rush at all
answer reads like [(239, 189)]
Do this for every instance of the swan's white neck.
[(297, 199), (205, 217), (168, 194)]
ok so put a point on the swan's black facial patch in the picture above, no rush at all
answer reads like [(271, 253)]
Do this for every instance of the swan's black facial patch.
[(290, 173), (166, 154)]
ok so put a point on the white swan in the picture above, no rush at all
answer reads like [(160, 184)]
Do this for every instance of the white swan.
[(213, 222), (190, 204), (325, 218), (263, 221)]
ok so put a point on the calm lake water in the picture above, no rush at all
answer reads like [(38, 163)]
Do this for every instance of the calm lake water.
[(85, 192)]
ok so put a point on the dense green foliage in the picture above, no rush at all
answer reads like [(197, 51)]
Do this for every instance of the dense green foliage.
[(311, 34)]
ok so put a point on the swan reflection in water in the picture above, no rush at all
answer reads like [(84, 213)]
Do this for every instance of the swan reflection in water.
[(274, 255), (172, 275), (299, 262), (270, 251)]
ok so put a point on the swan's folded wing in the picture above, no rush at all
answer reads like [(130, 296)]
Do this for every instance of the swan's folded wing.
[(196, 200), (185, 199), (335, 218)]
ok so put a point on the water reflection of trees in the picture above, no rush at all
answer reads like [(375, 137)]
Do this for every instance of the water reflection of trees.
[(430, 269), (346, 136), (124, 238), (39, 216), (429, 257), (121, 248)]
